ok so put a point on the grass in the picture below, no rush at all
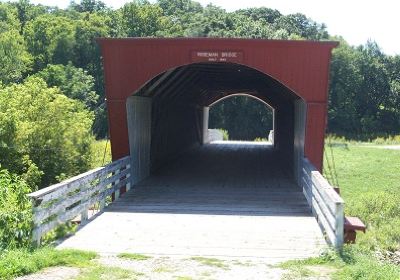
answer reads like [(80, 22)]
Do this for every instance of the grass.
[(369, 180), (361, 170), (21, 262), (101, 153), (211, 262), (134, 257), (107, 273)]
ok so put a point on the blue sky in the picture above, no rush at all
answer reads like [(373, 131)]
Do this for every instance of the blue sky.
[(355, 20)]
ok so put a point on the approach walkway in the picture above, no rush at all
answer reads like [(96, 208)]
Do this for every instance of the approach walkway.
[(222, 199)]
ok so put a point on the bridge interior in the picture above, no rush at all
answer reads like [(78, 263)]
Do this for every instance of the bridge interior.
[(169, 114), (226, 177)]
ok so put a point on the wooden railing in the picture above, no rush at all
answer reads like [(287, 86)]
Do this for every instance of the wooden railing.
[(327, 206), (62, 202)]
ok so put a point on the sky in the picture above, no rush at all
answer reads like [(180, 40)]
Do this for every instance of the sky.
[(355, 20)]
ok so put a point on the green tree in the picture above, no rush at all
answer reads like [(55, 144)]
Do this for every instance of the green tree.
[(90, 6), (262, 13), (345, 83), (299, 24), (50, 39), (15, 60), (27, 11), (74, 82), (142, 19), (8, 18), (43, 126)]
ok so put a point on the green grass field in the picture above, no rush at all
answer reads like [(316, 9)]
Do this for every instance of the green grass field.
[(369, 180)]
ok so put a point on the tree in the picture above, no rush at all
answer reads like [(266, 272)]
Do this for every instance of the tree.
[(90, 6), (345, 82), (27, 11), (177, 8), (299, 24), (15, 61), (40, 126), (263, 13), (142, 19), (73, 82), (50, 39)]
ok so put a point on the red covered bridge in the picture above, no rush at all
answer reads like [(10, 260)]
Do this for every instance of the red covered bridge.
[(158, 96)]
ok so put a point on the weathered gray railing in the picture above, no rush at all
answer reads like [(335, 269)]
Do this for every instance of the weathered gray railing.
[(65, 201), (327, 206)]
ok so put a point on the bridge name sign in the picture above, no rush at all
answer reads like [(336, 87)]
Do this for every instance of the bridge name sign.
[(217, 56)]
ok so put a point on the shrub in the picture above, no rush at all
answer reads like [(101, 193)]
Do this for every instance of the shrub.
[(15, 212), (225, 134)]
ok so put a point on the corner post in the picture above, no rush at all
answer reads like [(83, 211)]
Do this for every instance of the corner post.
[(138, 109)]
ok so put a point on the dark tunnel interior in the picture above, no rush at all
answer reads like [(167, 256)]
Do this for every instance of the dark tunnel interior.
[(179, 95)]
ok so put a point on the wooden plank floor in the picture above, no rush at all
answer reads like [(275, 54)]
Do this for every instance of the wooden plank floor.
[(230, 200)]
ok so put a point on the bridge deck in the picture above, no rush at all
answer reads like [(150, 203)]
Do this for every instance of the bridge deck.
[(229, 200)]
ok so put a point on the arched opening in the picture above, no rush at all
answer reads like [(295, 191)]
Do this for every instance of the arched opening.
[(168, 116), (240, 117)]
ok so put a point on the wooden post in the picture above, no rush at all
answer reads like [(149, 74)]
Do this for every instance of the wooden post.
[(84, 216), (117, 192), (36, 237), (339, 227)]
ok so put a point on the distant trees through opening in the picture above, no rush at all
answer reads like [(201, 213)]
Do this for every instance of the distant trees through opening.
[(242, 117)]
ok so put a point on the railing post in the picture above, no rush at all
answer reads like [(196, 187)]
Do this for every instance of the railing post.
[(339, 227), (117, 192), (36, 237), (84, 216)]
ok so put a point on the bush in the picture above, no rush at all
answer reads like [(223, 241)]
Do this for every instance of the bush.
[(381, 212), (43, 132), (225, 134), (15, 212)]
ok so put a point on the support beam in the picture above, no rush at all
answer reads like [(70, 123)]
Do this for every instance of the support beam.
[(138, 110)]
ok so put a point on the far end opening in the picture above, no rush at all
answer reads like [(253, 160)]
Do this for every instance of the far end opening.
[(241, 118)]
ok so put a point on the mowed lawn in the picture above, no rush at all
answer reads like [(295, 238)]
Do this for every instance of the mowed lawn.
[(365, 169)]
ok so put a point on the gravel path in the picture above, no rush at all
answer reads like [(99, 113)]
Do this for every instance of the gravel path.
[(163, 268), (53, 273), (188, 268)]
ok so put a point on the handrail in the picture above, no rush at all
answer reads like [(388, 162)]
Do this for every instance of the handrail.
[(326, 204), (62, 202)]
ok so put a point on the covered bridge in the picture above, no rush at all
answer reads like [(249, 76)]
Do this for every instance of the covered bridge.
[(158, 97)]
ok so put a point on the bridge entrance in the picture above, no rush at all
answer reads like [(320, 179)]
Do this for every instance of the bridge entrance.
[(169, 116)]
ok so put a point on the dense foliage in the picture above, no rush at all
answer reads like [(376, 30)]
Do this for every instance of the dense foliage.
[(44, 135), (15, 212)]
